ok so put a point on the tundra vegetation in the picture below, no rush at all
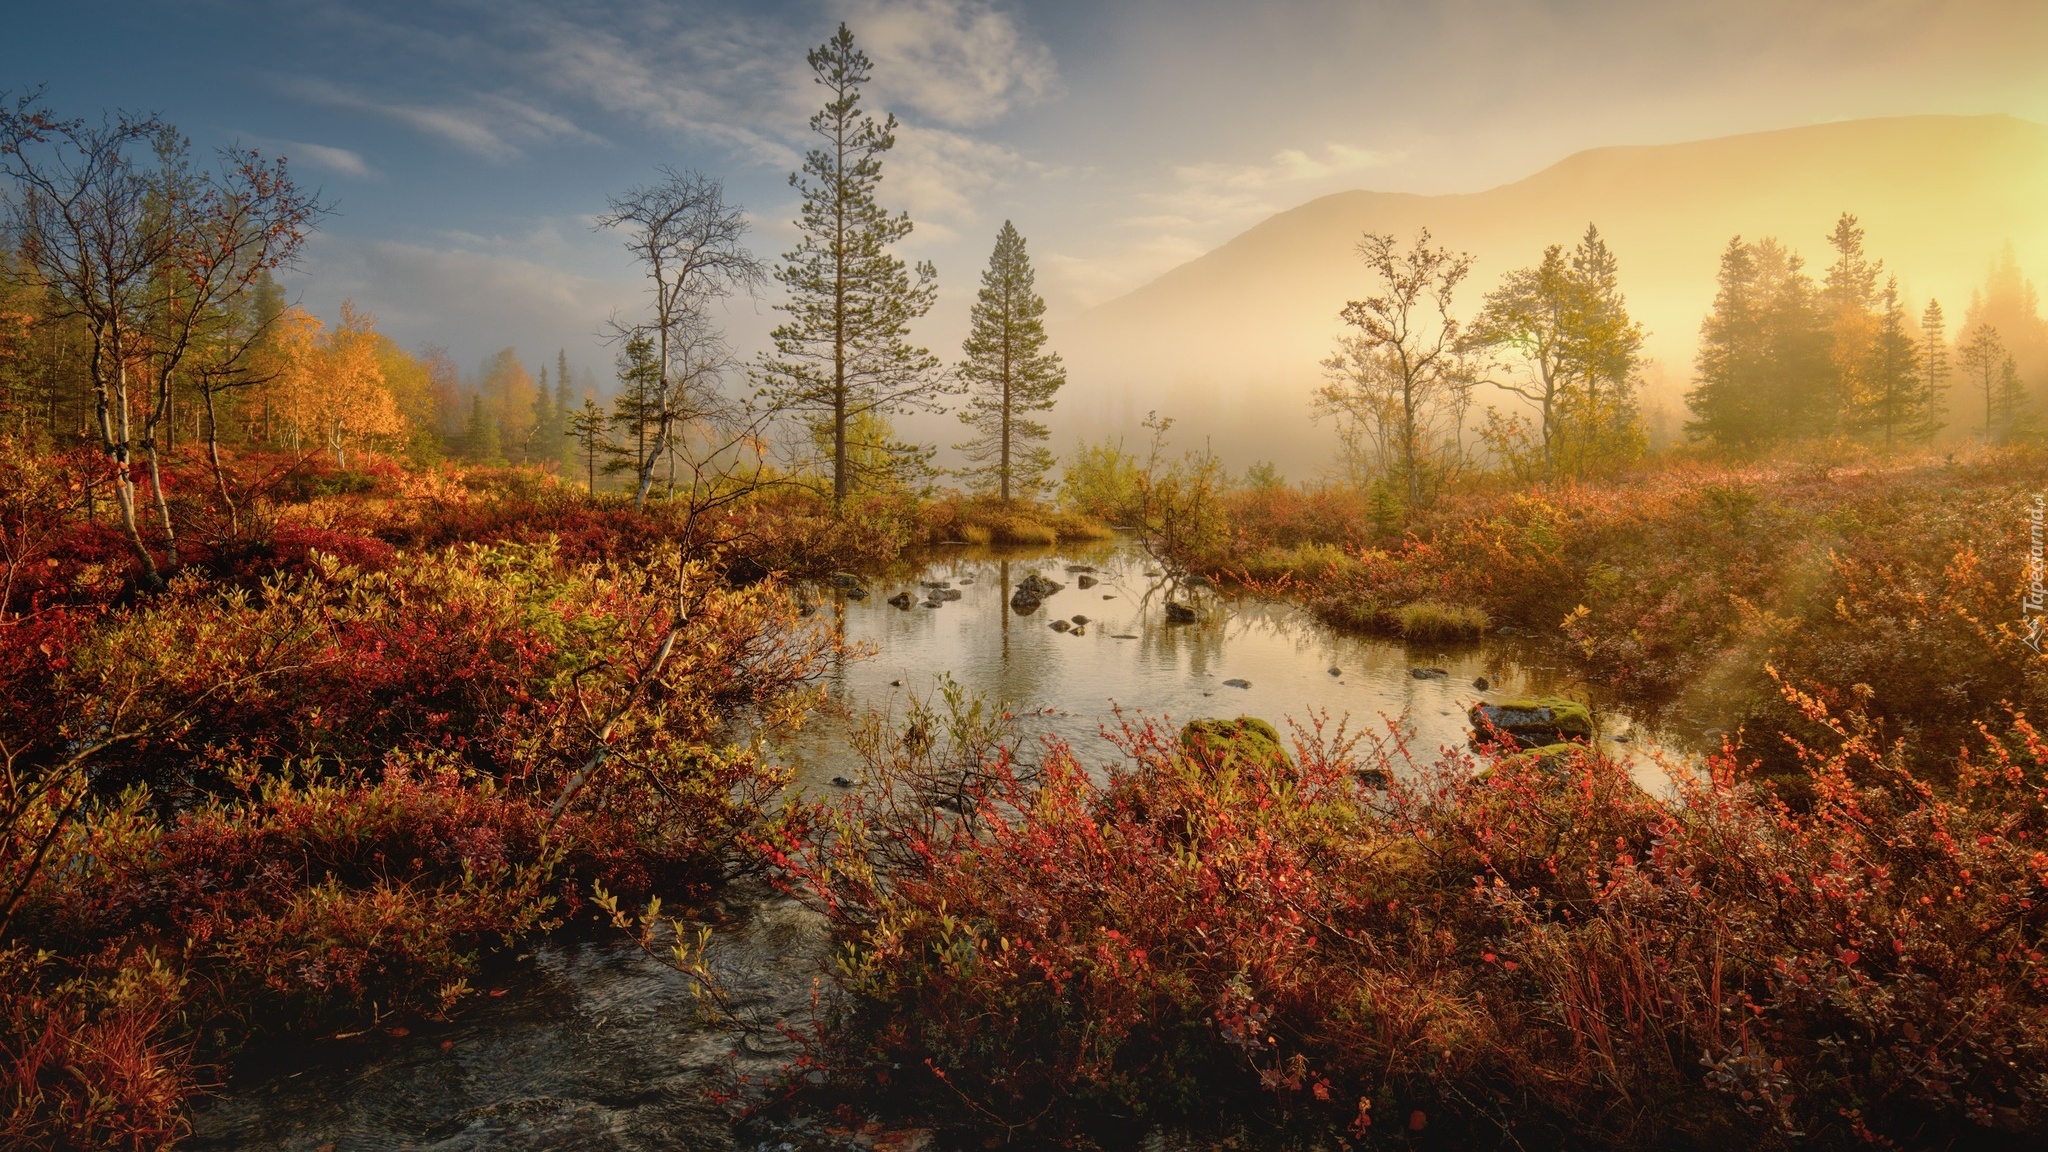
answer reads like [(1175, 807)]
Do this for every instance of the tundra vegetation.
[(330, 673)]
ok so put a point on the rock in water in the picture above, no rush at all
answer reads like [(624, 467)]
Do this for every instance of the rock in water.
[(1533, 722), (1237, 683), (1428, 673), (1080, 567), (855, 593), (950, 594), (1061, 625), (1085, 582), (1178, 613), (1038, 587), (841, 782), (1336, 671), (1078, 618), (1245, 740), (902, 600), (1482, 683), (1080, 630), (931, 603)]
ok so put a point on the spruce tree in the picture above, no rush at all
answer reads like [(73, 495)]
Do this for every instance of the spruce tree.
[(845, 350), (2009, 416), (480, 441), (1763, 359), (1008, 374), (564, 449), (542, 443), (1891, 406)]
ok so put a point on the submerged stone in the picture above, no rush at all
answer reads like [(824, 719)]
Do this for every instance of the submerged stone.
[(1534, 722)]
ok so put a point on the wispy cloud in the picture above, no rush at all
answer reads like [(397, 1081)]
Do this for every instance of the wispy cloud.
[(325, 157), (487, 124), (958, 62)]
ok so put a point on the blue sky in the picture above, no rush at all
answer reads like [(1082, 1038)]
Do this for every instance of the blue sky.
[(466, 144)]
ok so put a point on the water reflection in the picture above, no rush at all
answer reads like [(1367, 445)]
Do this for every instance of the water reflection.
[(1067, 685)]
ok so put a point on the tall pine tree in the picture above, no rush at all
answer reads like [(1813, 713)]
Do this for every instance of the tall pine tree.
[(845, 350), (1008, 374)]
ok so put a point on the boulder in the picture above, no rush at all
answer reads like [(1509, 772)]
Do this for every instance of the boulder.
[(1428, 673), (931, 603), (1336, 671), (854, 593), (1038, 587), (1482, 683), (902, 600), (1534, 722), (1061, 625), (1079, 630), (1085, 582), (950, 594), (1215, 743), (1178, 613), (1237, 683), (1078, 618)]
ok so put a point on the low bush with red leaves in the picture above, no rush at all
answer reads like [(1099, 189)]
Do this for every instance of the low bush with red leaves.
[(1519, 950)]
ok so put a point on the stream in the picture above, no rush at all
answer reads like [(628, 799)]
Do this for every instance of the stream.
[(594, 1045)]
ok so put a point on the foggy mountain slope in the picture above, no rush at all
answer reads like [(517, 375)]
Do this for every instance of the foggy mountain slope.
[(1229, 343)]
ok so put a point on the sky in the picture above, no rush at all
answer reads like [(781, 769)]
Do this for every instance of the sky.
[(466, 146)]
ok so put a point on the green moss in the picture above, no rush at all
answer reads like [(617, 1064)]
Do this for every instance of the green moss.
[(1532, 715), (1215, 743)]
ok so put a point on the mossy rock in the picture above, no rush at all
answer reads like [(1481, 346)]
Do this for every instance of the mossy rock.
[(1534, 721), (1246, 740)]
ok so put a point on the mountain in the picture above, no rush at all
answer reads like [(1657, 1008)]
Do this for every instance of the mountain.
[(1229, 343)]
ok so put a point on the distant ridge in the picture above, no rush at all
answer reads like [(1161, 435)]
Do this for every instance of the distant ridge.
[(1229, 342)]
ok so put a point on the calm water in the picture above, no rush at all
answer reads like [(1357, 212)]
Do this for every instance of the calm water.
[(1064, 685)]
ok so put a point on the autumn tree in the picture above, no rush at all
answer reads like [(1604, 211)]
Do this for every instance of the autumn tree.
[(1399, 384), (1008, 374), (1563, 341), (121, 232), (329, 384), (689, 242), (844, 350), (1762, 372)]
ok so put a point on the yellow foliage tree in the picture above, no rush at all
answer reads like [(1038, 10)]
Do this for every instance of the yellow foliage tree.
[(330, 385)]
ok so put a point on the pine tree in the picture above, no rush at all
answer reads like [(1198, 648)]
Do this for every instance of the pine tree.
[(845, 349), (1934, 369), (588, 432), (1008, 373), (636, 410), (1849, 298)]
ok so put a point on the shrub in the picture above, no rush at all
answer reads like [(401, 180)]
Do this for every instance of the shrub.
[(1430, 620), (1539, 948)]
